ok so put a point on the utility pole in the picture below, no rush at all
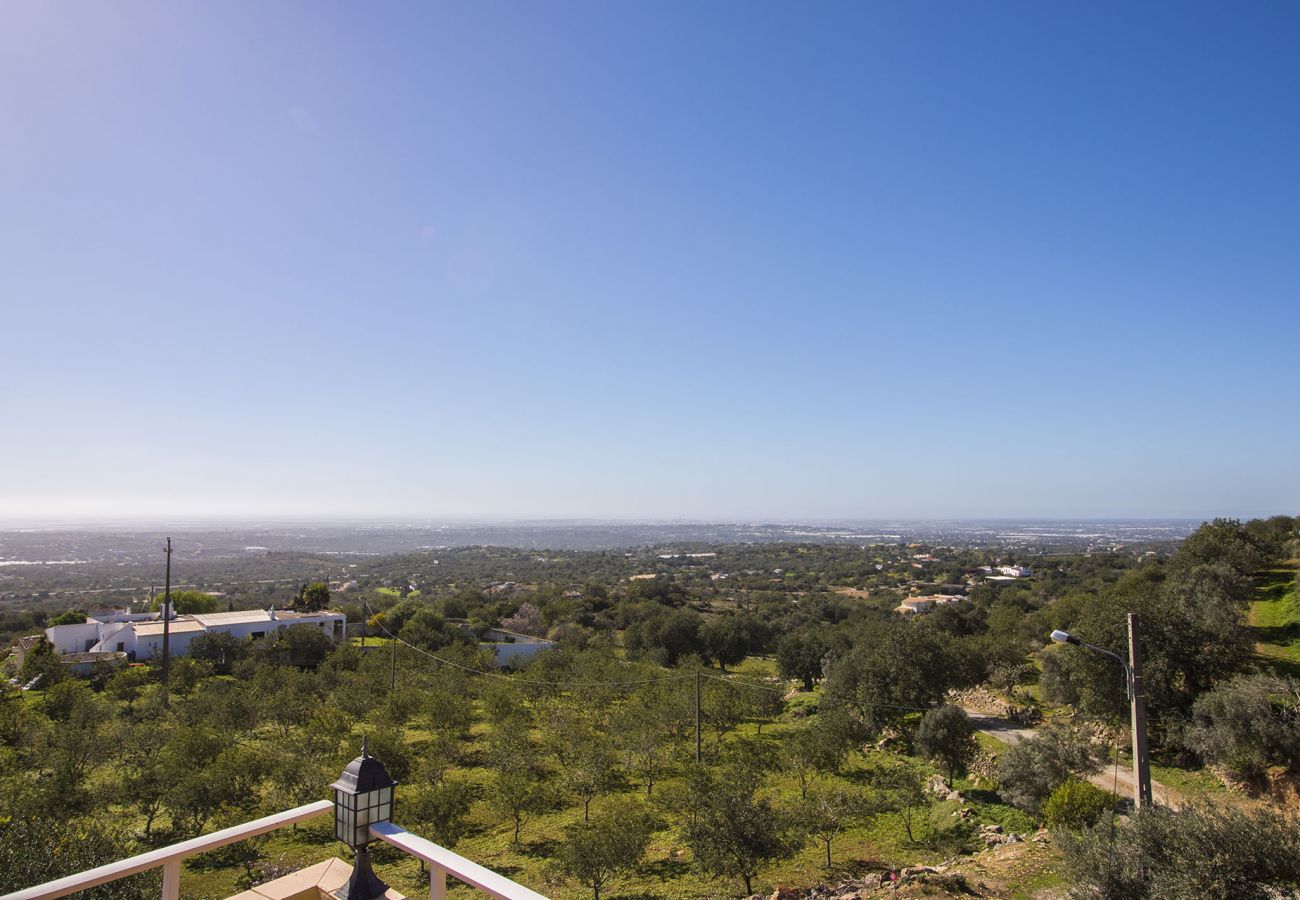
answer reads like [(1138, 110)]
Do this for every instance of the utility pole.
[(1137, 705), (166, 611), (1137, 698), (392, 682), (697, 717)]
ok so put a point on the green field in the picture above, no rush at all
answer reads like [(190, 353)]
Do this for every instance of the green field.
[(667, 871), (1275, 619)]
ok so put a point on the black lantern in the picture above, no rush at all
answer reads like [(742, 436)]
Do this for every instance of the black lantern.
[(363, 796)]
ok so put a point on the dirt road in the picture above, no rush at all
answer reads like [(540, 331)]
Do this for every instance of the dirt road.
[(1122, 782)]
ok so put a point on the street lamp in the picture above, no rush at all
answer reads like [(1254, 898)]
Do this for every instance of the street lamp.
[(363, 796), (1064, 637), (1137, 706)]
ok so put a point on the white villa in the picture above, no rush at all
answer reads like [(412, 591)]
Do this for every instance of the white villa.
[(510, 649), (915, 605), (139, 635)]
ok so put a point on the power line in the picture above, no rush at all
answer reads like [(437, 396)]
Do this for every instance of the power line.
[(515, 678), (589, 684), (823, 699)]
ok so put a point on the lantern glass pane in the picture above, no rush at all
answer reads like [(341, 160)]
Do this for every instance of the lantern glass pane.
[(385, 812), (385, 794)]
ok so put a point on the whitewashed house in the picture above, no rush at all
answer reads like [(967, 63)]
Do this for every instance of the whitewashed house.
[(140, 635), (916, 605), (510, 649), (1015, 571)]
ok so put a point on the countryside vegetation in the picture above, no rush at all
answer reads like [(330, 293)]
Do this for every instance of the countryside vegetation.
[(835, 742)]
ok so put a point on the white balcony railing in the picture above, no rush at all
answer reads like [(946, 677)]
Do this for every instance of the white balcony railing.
[(442, 862)]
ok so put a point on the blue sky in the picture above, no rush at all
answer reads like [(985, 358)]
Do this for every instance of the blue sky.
[(696, 260)]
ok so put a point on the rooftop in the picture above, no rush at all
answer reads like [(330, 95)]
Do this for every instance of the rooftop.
[(92, 656), (177, 626)]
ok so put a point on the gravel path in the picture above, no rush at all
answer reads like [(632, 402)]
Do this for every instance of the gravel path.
[(1014, 732)]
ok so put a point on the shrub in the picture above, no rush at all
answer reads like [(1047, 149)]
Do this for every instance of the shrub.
[(946, 735), (71, 617), (1189, 854), (1032, 769), (1076, 804), (611, 843), (1248, 724)]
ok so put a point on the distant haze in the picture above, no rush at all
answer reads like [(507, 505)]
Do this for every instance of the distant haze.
[(672, 261), (61, 548)]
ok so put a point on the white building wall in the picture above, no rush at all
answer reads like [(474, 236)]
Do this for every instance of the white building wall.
[(114, 633), (73, 638), (127, 617), (151, 646), (242, 630), (105, 636), (522, 647), (514, 654)]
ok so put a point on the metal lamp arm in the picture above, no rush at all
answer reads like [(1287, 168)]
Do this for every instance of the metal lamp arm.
[(1128, 677)]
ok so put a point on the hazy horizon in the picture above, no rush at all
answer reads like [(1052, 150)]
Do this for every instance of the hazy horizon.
[(453, 521)]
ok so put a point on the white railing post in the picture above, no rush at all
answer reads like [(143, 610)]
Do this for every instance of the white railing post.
[(443, 862), (169, 858), (171, 886)]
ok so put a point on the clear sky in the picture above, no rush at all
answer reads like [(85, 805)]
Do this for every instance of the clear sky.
[(665, 260)]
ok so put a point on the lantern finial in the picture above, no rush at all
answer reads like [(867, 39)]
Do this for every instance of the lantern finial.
[(363, 797)]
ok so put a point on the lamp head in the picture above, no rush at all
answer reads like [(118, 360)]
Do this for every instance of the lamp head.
[(1064, 637), (363, 796)]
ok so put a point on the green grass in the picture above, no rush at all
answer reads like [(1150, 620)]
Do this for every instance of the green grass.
[(755, 667), (667, 872), (988, 807), (990, 743), (1190, 783), (1034, 884), (1275, 620), (371, 641)]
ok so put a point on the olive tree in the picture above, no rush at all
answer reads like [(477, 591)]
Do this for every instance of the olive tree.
[(734, 833), (1032, 769), (826, 814), (1248, 724), (599, 849), (946, 735)]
